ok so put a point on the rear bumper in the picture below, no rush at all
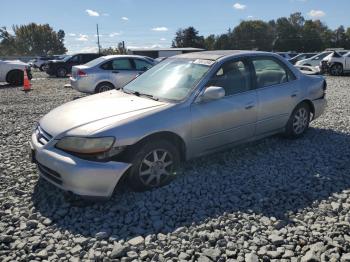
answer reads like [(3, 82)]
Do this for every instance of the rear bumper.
[(82, 85), (319, 106), (72, 174)]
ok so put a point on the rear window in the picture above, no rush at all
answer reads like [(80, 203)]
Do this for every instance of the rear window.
[(95, 62)]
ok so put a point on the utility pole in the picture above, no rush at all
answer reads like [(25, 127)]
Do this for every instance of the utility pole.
[(98, 40)]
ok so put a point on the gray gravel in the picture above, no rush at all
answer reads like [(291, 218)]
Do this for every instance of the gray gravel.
[(272, 200)]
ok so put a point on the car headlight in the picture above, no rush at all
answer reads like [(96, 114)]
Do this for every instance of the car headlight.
[(83, 145)]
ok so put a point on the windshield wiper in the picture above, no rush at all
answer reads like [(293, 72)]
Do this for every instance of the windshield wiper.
[(137, 93)]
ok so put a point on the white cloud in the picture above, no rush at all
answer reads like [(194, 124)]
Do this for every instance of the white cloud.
[(125, 18), (316, 14), (72, 34), (83, 38), (105, 14), (162, 39), (250, 17), (92, 12), (114, 34), (239, 6), (160, 29)]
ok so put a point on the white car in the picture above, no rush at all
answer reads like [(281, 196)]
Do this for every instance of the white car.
[(12, 72), (315, 60), (336, 63)]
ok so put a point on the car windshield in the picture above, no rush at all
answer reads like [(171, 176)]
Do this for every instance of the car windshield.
[(172, 79), (95, 61), (321, 55)]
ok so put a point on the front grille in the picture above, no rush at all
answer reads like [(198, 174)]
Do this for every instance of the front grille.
[(42, 136), (50, 174)]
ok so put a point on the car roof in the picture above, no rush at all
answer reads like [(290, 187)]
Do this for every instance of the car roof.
[(216, 55), (127, 56)]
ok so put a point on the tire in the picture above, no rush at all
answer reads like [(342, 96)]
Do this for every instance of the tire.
[(61, 72), (154, 164), (299, 121), (103, 87), (41, 68), (15, 77), (336, 70)]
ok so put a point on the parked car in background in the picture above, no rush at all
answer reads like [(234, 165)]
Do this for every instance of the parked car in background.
[(41, 61), (336, 63), (12, 72), (61, 68), (287, 55), (184, 107), (108, 72), (316, 60), (301, 56)]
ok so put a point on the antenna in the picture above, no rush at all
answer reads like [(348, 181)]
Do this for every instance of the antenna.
[(98, 40)]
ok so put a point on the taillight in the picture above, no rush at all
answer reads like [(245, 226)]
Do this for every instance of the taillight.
[(81, 73)]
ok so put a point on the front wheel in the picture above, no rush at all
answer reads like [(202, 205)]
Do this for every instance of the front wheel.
[(336, 70), (298, 122), (154, 164)]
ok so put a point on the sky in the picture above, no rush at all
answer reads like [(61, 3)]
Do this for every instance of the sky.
[(153, 23)]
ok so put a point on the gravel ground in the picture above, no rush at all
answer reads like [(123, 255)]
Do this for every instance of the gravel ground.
[(272, 200)]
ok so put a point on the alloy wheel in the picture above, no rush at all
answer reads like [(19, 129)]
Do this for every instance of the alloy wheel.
[(300, 120), (156, 167), (336, 70), (104, 88)]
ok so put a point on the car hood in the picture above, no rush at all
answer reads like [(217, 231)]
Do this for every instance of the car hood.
[(85, 116)]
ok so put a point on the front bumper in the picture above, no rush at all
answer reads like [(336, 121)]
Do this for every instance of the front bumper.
[(72, 174), (319, 106)]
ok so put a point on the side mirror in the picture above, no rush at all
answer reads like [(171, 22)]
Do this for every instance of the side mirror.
[(212, 93)]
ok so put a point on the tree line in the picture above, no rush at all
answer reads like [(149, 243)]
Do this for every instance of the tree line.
[(31, 40), (293, 33)]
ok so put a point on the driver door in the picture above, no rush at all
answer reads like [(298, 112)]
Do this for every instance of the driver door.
[(230, 119)]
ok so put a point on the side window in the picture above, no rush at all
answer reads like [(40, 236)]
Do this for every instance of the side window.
[(269, 72), (121, 64), (117, 64), (142, 65), (75, 59), (233, 76)]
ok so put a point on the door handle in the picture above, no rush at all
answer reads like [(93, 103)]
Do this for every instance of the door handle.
[(115, 72), (249, 107), (294, 95)]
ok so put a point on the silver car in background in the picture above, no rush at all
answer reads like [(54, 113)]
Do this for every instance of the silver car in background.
[(108, 72), (187, 106)]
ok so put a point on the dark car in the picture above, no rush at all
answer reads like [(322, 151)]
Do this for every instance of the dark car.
[(301, 57), (61, 68)]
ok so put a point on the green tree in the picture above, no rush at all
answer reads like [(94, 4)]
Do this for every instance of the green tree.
[(34, 39), (250, 35), (7, 41), (188, 38), (311, 37)]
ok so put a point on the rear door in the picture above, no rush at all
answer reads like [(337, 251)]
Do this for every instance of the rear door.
[(278, 93), (141, 65), (121, 71)]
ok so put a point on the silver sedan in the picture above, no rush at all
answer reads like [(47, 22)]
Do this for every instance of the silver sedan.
[(108, 72), (186, 106)]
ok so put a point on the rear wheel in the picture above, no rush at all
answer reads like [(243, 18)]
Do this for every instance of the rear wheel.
[(299, 121), (154, 164), (15, 77), (103, 87), (336, 70), (61, 72)]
